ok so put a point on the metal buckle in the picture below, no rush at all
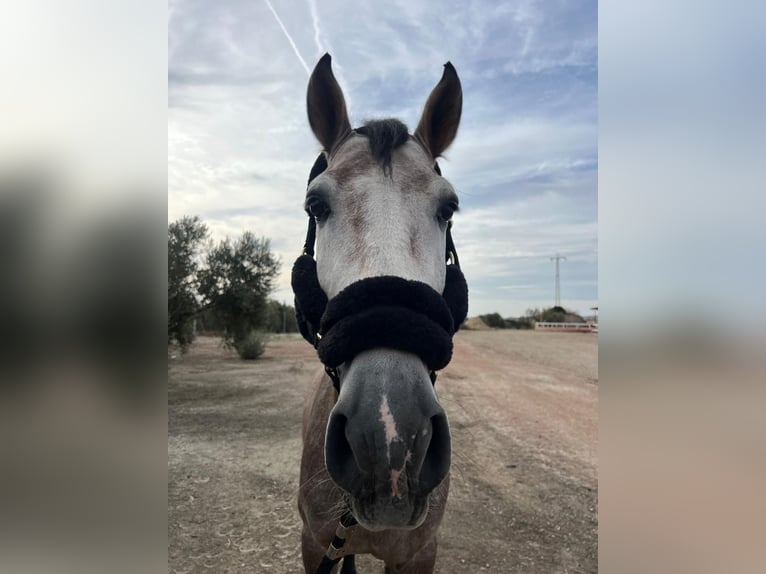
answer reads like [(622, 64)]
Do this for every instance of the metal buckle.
[(334, 553), (342, 531)]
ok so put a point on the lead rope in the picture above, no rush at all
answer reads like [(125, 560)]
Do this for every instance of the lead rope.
[(335, 551)]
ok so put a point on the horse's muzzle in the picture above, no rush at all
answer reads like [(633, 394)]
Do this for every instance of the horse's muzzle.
[(388, 441)]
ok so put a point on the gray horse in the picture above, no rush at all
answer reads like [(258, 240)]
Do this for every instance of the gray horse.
[(377, 444)]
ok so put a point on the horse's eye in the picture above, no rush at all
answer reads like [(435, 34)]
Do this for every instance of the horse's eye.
[(446, 211), (317, 208)]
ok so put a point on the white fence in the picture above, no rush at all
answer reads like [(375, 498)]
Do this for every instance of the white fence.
[(567, 327)]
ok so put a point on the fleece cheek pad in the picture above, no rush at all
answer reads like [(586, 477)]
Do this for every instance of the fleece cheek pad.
[(456, 294), (310, 300)]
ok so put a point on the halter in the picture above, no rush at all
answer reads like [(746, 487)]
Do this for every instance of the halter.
[(385, 311), (335, 550)]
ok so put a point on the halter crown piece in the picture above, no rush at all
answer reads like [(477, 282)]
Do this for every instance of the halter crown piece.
[(375, 312)]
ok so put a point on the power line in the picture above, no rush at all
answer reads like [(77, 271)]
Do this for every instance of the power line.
[(558, 258)]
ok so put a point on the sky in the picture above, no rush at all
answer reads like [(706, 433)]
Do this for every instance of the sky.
[(524, 163)]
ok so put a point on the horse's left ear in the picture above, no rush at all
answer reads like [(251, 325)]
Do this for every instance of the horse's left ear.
[(441, 116), (326, 106)]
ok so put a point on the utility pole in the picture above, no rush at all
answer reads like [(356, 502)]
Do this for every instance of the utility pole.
[(558, 258)]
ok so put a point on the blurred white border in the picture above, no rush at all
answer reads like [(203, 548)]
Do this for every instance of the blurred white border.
[(681, 201)]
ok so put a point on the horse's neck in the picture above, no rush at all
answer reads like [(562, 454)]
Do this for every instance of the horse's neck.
[(318, 402), (317, 493)]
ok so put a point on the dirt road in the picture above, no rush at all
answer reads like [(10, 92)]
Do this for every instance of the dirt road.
[(522, 407)]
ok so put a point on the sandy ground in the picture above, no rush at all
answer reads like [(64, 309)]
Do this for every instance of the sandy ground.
[(523, 411)]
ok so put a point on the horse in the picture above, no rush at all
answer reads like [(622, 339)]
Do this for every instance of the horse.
[(380, 302)]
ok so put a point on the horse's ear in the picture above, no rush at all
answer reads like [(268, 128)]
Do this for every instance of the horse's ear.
[(441, 116), (326, 107)]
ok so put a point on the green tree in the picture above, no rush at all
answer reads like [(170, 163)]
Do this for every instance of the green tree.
[(209, 323), (533, 315), (280, 318), (236, 282), (554, 315), (185, 238)]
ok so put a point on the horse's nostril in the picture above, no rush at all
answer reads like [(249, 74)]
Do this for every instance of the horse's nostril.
[(338, 454), (437, 460)]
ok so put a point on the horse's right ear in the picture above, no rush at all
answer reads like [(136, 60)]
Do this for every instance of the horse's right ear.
[(326, 107), (441, 116)]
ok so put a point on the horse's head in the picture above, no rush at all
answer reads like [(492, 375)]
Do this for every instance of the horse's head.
[(382, 210)]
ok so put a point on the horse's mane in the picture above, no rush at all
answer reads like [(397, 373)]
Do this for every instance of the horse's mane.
[(384, 137)]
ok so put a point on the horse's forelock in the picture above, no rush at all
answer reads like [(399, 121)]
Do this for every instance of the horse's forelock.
[(384, 137)]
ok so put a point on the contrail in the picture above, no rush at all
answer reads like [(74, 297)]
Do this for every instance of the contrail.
[(315, 22), (289, 39)]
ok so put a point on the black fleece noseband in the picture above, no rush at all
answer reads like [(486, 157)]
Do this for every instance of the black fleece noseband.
[(376, 312)]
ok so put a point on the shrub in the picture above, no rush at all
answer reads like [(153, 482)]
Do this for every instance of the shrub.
[(252, 345), (554, 315), (520, 323), (493, 320)]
